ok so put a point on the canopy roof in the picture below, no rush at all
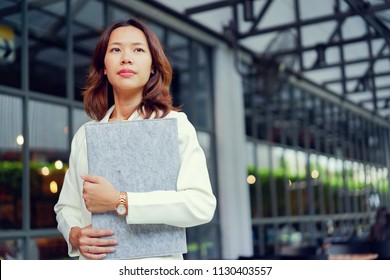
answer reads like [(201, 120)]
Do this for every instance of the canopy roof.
[(340, 45)]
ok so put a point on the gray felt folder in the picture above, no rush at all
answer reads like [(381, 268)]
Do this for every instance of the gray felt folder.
[(137, 156)]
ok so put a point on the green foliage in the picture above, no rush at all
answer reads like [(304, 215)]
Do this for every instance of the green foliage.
[(279, 174), (11, 175), (334, 179), (278, 181)]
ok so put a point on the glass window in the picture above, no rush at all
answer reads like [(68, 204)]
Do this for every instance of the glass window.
[(10, 46), (49, 143), (47, 49), (279, 173), (90, 14), (263, 170), (88, 20), (203, 242), (177, 49), (158, 30), (250, 154), (202, 96), (53, 248), (11, 249), (116, 13), (7, 3), (81, 66), (340, 186), (79, 118), (205, 143), (11, 142)]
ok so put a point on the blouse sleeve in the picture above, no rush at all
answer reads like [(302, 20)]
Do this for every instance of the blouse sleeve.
[(193, 203), (68, 208)]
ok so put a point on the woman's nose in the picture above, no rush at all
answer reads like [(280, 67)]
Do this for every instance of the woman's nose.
[(127, 58)]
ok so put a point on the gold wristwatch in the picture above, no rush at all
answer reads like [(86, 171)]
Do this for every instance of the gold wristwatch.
[(121, 207)]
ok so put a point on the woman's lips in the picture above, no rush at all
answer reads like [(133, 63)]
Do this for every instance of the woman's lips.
[(126, 73)]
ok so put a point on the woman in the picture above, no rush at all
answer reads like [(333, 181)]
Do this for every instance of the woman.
[(129, 79)]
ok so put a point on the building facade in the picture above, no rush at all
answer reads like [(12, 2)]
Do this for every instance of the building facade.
[(43, 72)]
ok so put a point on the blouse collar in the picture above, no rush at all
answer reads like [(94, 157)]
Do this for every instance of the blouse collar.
[(133, 116)]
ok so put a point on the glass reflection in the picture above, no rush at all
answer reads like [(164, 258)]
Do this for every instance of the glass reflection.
[(49, 141), (11, 249), (47, 49), (85, 35), (79, 118), (10, 162), (10, 46), (53, 248)]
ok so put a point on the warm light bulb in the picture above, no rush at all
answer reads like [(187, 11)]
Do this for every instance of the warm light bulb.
[(251, 179), (315, 174), (20, 140), (53, 187), (45, 171), (58, 164)]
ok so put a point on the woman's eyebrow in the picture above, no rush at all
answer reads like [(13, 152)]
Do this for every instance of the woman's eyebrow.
[(134, 43)]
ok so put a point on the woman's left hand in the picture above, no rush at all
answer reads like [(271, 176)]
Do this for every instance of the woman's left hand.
[(99, 195)]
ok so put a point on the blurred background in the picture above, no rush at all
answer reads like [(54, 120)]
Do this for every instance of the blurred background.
[(290, 99)]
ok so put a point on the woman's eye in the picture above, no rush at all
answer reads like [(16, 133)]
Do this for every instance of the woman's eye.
[(115, 50), (138, 50)]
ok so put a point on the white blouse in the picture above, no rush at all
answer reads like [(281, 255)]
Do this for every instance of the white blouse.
[(192, 204)]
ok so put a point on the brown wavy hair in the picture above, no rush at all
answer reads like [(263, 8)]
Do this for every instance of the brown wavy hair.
[(156, 98)]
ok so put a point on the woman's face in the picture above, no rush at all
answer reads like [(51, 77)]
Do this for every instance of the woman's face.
[(128, 61)]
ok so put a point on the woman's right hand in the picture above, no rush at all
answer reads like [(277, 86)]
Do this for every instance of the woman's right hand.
[(89, 243)]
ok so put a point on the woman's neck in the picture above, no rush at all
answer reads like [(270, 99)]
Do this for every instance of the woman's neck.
[(119, 115), (124, 109)]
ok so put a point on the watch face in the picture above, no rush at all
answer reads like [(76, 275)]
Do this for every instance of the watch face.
[(121, 210)]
